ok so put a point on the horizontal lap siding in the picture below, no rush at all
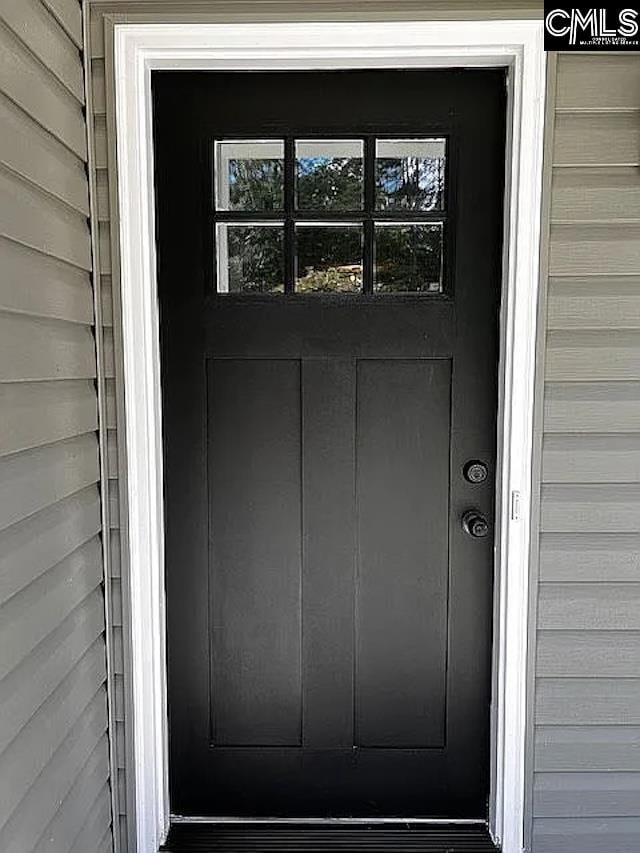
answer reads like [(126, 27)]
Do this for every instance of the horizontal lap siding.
[(586, 795), (101, 191), (54, 747)]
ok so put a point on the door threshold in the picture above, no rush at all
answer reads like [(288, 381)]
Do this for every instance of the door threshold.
[(266, 836)]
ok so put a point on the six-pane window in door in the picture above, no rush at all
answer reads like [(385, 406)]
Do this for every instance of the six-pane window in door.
[(336, 216)]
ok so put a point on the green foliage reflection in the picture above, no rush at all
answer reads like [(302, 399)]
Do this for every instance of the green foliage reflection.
[(329, 183), (329, 259), (256, 262), (256, 185), (408, 258)]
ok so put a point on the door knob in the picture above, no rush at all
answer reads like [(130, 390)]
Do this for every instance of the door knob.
[(475, 524)]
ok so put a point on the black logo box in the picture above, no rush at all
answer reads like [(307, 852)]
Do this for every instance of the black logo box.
[(607, 27)]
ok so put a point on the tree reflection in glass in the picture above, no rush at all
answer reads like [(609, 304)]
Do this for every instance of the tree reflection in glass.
[(329, 259), (329, 175), (250, 258), (250, 175), (410, 174), (255, 185), (408, 258)]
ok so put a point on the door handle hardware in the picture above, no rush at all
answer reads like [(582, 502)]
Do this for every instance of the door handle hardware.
[(475, 524)]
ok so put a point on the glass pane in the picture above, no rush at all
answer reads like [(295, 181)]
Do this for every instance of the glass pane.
[(329, 175), (328, 258), (249, 175), (410, 174), (408, 258), (250, 258)]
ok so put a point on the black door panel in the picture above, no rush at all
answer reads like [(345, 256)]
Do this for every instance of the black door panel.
[(329, 619)]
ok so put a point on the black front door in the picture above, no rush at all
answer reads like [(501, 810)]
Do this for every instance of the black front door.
[(329, 250)]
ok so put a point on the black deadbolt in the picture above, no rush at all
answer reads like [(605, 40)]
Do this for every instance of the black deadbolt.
[(475, 471), (475, 524)]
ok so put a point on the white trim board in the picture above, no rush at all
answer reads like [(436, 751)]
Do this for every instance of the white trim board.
[(141, 48)]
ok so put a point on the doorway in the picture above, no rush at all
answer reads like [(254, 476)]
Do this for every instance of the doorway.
[(329, 249)]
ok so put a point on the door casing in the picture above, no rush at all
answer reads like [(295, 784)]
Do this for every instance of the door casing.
[(141, 48)]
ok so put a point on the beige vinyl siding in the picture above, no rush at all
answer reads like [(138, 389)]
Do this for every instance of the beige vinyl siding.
[(54, 748), (587, 703)]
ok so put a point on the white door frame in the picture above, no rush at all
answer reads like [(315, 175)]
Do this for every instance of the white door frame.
[(141, 48)]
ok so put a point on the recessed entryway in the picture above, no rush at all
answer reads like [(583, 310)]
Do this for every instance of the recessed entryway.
[(330, 257), (140, 48)]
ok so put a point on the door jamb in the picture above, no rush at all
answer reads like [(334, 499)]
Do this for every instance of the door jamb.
[(141, 48)]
